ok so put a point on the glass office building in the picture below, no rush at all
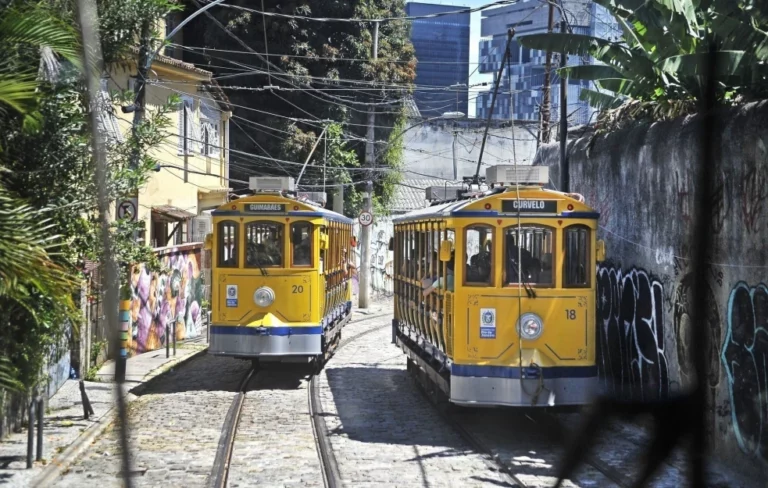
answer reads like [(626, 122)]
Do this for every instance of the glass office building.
[(524, 76), (442, 51)]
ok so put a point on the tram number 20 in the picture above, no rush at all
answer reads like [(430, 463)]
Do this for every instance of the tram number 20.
[(570, 314), (297, 289)]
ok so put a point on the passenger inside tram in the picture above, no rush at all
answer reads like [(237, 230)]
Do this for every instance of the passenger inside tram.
[(262, 254), (441, 283), (301, 247), (479, 265)]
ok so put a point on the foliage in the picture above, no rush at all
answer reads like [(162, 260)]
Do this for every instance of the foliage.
[(51, 208), (317, 82), (659, 69)]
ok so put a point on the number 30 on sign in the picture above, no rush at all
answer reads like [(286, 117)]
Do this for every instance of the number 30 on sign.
[(365, 218)]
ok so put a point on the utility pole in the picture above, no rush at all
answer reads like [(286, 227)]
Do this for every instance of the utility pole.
[(370, 160), (546, 104), (455, 166), (564, 169)]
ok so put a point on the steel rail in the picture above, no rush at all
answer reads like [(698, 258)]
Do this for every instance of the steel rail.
[(329, 465), (222, 462)]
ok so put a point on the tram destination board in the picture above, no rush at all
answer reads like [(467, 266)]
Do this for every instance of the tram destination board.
[(265, 207), (529, 206)]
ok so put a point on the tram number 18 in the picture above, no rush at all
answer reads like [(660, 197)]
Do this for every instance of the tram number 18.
[(297, 289), (570, 314)]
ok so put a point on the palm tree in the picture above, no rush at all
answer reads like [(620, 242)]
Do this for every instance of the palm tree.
[(657, 70), (27, 244)]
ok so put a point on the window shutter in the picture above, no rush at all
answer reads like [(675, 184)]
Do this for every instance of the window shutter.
[(193, 133)]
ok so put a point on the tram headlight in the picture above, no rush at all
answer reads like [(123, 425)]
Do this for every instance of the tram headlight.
[(530, 326), (264, 296)]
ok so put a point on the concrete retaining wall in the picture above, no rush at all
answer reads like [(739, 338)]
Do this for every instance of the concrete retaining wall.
[(643, 182)]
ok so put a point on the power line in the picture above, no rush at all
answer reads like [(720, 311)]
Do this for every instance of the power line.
[(499, 3)]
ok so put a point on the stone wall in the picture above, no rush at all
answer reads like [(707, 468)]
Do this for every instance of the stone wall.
[(643, 182)]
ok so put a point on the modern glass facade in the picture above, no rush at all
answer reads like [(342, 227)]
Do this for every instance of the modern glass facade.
[(524, 76), (442, 51)]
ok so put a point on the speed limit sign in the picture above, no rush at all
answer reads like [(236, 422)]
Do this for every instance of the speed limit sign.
[(365, 218)]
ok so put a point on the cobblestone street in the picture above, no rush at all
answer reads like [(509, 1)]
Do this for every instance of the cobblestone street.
[(174, 429), (384, 433), (275, 445), (382, 429)]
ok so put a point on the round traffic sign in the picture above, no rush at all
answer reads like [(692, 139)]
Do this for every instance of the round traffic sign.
[(365, 218), (127, 210)]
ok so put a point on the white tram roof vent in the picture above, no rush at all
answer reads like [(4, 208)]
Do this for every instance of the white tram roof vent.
[(517, 175), (437, 193), (271, 183), (316, 197)]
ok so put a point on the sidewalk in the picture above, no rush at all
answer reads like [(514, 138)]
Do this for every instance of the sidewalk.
[(66, 432)]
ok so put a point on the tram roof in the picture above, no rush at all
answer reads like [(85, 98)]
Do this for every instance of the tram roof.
[(468, 206), (302, 208)]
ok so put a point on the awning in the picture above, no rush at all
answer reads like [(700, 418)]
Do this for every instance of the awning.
[(169, 213)]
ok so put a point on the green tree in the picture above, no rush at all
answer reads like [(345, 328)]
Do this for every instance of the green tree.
[(49, 177), (324, 73), (658, 69), (28, 243)]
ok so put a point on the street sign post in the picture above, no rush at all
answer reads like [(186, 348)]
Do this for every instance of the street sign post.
[(365, 218), (128, 209)]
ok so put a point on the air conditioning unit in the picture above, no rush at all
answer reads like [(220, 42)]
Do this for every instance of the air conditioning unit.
[(437, 193), (517, 175), (316, 197), (271, 183), (202, 225)]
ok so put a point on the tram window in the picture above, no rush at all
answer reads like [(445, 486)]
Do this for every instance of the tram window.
[(264, 244), (301, 243), (576, 257), (478, 255), (528, 254), (227, 243)]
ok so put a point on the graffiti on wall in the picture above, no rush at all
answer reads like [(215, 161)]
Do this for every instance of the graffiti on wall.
[(631, 333), (745, 360), (172, 297), (381, 257)]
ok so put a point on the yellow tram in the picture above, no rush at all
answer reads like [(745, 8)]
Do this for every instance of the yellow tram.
[(495, 293), (280, 289)]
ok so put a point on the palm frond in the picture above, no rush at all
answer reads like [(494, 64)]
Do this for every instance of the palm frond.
[(36, 26)]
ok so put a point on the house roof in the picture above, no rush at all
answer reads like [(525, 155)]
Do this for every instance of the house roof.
[(176, 63), (411, 194)]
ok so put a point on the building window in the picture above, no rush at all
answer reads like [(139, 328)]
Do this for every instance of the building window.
[(264, 244), (210, 134), (576, 257), (227, 244)]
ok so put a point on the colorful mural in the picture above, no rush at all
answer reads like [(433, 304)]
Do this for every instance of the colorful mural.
[(173, 297)]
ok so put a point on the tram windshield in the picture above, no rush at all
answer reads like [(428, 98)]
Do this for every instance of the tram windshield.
[(528, 254), (264, 244)]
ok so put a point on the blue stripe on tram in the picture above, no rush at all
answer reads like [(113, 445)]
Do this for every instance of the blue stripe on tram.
[(514, 371), (271, 331)]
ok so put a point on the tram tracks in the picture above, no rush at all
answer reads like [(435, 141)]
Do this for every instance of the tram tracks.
[(329, 467), (545, 422), (221, 463)]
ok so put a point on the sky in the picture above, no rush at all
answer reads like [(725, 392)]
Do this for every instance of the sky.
[(474, 40)]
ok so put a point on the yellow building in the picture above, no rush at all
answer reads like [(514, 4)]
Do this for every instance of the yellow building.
[(194, 158)]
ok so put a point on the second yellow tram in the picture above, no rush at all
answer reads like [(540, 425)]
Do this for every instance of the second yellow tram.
[(495, 296)]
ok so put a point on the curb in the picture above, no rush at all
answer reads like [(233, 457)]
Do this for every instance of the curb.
[(59, 464), (158, 372)]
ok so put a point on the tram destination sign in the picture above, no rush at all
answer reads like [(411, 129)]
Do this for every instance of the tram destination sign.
[(529, 206), (265, 207)]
